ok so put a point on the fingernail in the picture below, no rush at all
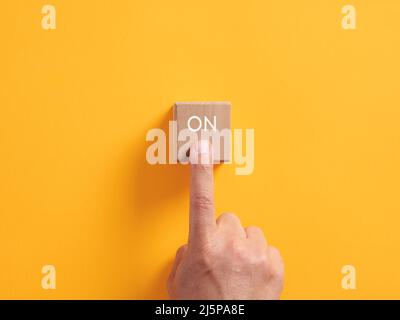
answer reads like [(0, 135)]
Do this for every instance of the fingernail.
[(204, 147), (200, 153)]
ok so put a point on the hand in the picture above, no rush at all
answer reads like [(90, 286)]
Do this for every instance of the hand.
[(222, 260)]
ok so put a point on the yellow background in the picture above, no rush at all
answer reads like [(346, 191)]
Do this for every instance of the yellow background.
[(76, 103)]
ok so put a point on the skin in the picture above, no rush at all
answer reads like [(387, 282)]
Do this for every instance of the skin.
[(222, 259)]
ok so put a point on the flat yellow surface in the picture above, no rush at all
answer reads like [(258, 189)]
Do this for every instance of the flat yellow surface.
[(76, 104)]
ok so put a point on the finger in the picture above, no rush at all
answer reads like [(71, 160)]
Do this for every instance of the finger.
[(231, 223), (256, 234), (178, 258), (201, 217), (276, 265)]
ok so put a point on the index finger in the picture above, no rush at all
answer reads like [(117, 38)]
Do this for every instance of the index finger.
[(201, 215)]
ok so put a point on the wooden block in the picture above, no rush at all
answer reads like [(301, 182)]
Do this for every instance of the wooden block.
[(211, 120)]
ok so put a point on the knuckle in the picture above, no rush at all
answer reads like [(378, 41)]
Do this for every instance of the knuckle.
[(239, 250), (259, 259), (202, 200), (275, 253), (254, 229), (228, 217), (277, 272), (262, 259), (276, 266)]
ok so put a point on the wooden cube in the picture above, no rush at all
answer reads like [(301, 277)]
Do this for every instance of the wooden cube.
[(211, 120)]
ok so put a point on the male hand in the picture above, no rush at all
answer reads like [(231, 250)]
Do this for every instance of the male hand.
[(222, 260)]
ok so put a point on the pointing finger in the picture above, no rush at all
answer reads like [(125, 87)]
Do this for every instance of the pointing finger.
[(201, 219)]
